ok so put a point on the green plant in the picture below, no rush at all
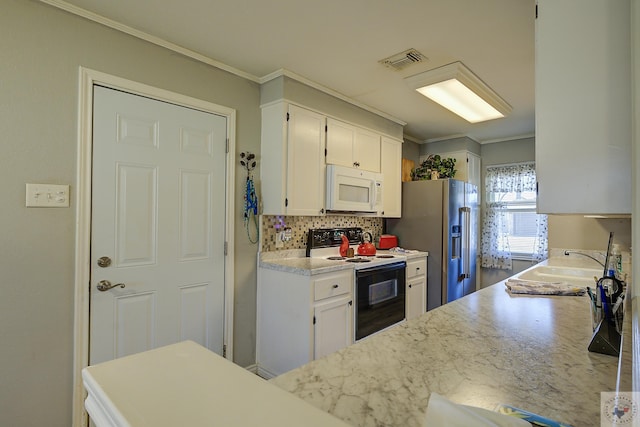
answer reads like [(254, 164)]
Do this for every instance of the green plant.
[(444, 168)]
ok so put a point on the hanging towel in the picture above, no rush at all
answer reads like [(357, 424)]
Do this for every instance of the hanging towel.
[(443, 412), (531, 287)]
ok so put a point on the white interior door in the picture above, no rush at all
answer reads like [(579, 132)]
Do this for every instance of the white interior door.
[(158, 215)]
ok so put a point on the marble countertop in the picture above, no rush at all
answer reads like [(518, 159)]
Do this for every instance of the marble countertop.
[(481, 350), (295, 261)]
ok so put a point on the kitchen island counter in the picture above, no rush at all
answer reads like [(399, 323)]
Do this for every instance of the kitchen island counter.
[(481, 350)]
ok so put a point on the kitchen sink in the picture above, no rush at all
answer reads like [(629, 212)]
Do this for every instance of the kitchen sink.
[(574, 275)]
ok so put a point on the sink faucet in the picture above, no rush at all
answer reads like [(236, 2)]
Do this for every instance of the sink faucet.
[(583, 254)]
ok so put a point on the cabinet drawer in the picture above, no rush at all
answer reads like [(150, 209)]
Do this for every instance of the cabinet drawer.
[(416, 268), (332, 285)]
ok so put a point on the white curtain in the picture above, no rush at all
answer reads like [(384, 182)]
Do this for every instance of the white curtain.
[(501, 182)]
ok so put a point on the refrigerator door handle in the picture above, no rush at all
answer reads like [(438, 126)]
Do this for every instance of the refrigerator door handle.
[(466, 241)]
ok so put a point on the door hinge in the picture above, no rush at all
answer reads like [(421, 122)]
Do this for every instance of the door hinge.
[(314, 320), (326, 128), (536, 10), (286, 202), (226, 247), (224, 350), (325, 152), (287, 116)]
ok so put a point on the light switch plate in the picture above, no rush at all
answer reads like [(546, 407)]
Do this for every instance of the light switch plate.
[(47, 196)]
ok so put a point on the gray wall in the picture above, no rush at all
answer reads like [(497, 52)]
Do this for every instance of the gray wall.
[(411, 151), (42, 48)]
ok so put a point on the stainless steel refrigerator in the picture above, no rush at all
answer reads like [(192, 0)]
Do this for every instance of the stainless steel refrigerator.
[(441, 217)]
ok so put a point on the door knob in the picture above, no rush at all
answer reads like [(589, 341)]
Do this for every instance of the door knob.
[(105, 285), (104, 261)]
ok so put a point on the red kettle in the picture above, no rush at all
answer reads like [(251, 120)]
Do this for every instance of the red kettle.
[(366, 247)]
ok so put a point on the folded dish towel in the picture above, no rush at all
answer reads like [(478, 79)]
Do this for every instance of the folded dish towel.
[(443, 412), (531, 287)]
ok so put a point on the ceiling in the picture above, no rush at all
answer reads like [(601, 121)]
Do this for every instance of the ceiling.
[(338, 44)]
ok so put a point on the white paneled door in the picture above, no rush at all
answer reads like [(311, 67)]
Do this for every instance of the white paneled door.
[(158, 226)]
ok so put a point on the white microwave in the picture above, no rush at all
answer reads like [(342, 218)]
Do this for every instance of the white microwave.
[(353, 190)]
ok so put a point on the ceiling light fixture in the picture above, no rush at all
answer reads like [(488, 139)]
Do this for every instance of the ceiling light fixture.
[(456, 88)]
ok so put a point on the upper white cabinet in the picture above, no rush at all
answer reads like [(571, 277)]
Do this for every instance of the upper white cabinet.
[(292, 168), (391, 167), (583, 106), (352, 146), (296, 145)]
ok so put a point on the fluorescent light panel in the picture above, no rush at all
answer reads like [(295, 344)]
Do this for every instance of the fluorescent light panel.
[(456, 88)]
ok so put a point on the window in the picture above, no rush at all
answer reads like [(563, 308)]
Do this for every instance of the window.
[(511, 227)]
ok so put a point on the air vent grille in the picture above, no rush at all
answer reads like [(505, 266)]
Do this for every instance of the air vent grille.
[(402, 60)]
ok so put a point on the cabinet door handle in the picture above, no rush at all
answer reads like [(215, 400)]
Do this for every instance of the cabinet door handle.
[(410, 285), (336, 286), (350, 302)]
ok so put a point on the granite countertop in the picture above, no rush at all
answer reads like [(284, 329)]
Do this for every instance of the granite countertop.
[(296, 261), (481, 350)]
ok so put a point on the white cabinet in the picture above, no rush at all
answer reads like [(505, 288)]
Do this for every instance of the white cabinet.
[(352, 146), (301, 318), (416, 287), (292, 167), (468, 167), (333, 325), (391, 167), (583, 106)]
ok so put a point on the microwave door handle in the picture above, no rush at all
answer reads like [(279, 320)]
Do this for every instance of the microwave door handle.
[(374, 198)]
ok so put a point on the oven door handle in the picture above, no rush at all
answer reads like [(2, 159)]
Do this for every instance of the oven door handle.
[(381, 268)]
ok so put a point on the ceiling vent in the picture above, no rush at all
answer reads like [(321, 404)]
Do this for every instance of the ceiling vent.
[(403, 59)]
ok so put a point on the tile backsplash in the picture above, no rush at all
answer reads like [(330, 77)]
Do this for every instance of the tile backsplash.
[(270, 225)]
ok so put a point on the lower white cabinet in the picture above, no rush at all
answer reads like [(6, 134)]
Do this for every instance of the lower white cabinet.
[(333, 325), (301, 318), (416, 287)]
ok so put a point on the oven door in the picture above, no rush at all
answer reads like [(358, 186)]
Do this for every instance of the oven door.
[(380, 300)]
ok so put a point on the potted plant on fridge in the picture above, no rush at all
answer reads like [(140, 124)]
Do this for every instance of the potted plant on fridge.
[(434, 167)]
